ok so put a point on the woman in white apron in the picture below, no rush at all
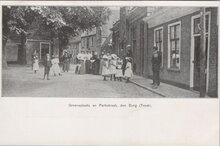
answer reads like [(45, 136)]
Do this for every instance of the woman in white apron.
[(128, 69), (105, 67)]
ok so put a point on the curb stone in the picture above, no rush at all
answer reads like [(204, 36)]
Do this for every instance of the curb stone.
[(149, 89)]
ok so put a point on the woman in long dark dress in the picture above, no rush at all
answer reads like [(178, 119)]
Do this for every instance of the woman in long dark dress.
[(65, 62), (88, 64), (96, 66), (82, 67)]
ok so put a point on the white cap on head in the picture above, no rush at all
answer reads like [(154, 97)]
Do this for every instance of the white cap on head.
[(105, 57)]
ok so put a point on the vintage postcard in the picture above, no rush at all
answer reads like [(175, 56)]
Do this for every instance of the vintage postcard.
[(110, 73)]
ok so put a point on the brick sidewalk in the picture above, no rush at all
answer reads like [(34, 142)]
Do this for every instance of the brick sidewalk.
[(164, 89)]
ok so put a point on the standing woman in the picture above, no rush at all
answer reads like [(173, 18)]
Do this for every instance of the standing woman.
[(66, 62), (128, 70), (87, 65), (82, 69), (105, 67)]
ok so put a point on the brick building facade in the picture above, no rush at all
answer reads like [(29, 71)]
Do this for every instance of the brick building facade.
[(42, 44), (129, 31), (176, 32), (90, 41)]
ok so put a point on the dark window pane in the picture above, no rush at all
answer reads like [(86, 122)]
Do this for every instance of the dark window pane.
[(206, 23), (196, 25)]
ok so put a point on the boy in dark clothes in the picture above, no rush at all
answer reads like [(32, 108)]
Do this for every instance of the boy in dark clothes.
[(47, 65)]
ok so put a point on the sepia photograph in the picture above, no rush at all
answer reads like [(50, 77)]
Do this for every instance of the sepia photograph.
[(104, 51)]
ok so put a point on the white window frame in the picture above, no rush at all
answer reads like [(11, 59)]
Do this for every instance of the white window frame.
[(170, 25), (156, 29), (41, 48), (192, 49), (83, 42)]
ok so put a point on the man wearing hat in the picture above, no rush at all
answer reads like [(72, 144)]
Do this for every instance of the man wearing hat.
[(129, 51), (66, 59), (156, 63)]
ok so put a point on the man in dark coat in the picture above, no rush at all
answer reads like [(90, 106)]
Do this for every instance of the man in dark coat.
[(95, 64), (66, 62), (47, 65), (156, 63), (88, 66), (129, 51), (124, 65)]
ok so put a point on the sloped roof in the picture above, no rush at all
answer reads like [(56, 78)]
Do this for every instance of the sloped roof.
[(107, 41), (75, 39), (88, 33), (166, 14)]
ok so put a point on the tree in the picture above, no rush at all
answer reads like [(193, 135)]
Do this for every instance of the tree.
[(76, 19), (60, 22)]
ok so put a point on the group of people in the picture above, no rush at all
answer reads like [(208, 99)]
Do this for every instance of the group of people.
[(52, 64), (49, 64), (87, 63), (112, 66), (106, 65)]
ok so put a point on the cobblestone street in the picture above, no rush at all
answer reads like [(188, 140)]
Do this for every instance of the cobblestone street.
[(20, 81)]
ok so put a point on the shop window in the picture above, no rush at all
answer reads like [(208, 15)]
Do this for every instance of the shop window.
[(174, 37)]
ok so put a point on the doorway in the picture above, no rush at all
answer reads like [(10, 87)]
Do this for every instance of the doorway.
[(142, 48), (44, 49), (195, 51), (196, 74)]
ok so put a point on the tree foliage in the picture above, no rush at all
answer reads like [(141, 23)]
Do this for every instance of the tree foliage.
[(57, 20)]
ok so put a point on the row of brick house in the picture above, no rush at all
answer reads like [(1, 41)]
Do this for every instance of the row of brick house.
[(176, 32), (39, 42)]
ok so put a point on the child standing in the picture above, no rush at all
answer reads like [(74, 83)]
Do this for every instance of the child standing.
[(47, 65), (35, 64), (128, 69), (55, 65), (105, 67), (119, 73)]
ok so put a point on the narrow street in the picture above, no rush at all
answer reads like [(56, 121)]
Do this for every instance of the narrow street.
[(20, 81)]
